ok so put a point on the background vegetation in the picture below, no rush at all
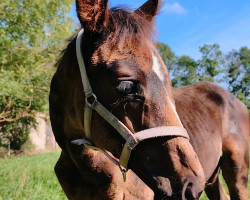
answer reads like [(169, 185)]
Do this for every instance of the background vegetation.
[(32, 33), (30, 178), (230, 70)]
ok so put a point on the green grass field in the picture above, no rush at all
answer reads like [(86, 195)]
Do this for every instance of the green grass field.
[(32, 178)]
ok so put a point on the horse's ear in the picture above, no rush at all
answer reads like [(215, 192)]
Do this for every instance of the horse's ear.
[(149, 9), (93, 14)]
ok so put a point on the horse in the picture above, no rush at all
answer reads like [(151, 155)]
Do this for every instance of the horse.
[(126, 83), (218, 126)]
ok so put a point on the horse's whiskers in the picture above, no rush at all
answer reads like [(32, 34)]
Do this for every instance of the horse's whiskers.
[(116, 104)]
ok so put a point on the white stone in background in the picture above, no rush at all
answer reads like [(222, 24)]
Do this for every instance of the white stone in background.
[(42, 136)]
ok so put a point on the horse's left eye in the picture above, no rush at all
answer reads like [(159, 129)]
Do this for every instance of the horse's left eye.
[(125, 87)]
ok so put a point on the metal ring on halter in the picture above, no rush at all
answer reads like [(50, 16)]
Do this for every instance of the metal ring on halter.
[(90, 99)]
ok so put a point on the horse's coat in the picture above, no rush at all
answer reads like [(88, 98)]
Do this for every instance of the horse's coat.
[(218, 125)]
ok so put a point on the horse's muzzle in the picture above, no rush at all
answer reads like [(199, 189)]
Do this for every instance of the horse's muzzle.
[(171, 168)]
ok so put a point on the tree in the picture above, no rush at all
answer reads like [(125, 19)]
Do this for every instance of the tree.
[(185, 71), (238, 74), (167, 55), (232, 71), (31, 36), (211, 63)]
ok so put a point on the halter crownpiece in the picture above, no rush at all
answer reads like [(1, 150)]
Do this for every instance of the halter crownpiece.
[(92, 103)]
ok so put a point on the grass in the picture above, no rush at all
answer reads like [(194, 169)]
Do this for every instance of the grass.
[(30, 178), (33, 178), (222, 181)]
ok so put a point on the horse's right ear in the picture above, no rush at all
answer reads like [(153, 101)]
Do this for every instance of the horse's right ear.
[(93, 14), (149, 9)]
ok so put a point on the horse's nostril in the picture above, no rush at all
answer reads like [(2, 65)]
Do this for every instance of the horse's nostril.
[(189, 195), (190, 185), (160, 196)]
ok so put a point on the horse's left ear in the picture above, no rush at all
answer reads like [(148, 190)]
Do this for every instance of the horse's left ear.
[(93, 14), (149, 9)]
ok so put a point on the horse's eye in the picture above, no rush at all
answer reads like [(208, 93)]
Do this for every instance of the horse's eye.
[(125, 86)]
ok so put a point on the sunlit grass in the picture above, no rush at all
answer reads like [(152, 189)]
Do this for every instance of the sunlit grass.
[(30, 178)]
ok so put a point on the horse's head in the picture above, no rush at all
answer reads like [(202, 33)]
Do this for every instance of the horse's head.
[(130, 80)]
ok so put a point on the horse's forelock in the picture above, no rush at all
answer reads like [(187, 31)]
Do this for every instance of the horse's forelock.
[(129, 35), (128, 28), (128, 32)]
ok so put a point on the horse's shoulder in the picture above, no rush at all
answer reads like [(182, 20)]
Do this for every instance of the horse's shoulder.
[(210, 97), (220, 96), (212, 92), (203, 91)]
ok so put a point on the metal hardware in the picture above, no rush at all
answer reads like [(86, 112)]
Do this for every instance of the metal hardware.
[(90, 99)]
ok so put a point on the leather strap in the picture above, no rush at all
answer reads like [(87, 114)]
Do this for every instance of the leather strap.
[(116, 123), (85, 81), (151, 133), (86, 86)]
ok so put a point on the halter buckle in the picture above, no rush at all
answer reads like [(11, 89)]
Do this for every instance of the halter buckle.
[(90, 99)]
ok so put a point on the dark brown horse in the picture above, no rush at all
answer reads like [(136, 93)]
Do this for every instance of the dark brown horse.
[(130, 80)]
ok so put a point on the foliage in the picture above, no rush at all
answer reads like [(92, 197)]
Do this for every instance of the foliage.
[(231, 70), (31, 35), (238, 74), (185, 71), (167, 55), (209, 64), (29, 178)]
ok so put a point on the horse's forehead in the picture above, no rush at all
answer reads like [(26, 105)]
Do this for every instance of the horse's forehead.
[(142, 56), (159, 68)]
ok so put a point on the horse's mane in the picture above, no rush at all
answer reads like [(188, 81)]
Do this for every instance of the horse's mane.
[(129, 27), (125, 28)]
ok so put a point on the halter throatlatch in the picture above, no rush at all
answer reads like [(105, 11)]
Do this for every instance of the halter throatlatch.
[(91, 103)]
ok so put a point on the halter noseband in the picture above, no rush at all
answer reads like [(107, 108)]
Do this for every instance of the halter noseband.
[(91, 103)]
